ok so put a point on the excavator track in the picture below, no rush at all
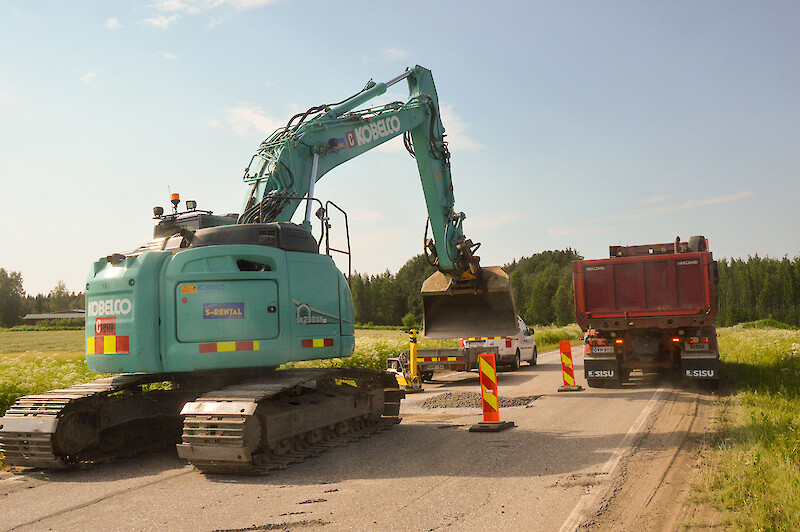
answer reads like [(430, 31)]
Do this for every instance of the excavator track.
[(94, 422), (269, 424)]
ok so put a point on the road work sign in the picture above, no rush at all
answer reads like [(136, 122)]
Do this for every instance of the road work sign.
[(567, 369), (489, 397)]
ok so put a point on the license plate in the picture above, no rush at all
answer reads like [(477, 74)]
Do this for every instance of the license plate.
[(701, 373), (475, 344), (430, 367), (600, 374), (603, 349), (698, 347)]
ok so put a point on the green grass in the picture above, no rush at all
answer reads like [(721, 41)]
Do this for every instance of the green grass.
[(35, 361), (67, 344), (547, 337), (753, 470), (373, 347)]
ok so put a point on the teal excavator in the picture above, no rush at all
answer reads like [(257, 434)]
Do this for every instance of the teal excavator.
[(194, 324)]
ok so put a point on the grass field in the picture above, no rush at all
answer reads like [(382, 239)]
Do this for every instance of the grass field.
[(752, 472), (35, 361)]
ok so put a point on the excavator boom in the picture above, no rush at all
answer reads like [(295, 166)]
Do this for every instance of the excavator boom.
[(463, 298)]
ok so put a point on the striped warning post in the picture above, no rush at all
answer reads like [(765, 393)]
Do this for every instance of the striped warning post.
[(489, 397), (567, 369)]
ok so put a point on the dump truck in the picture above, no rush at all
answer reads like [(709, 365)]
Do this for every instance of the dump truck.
[(651, 308)]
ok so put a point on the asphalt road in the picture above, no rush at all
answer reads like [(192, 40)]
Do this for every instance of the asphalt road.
[(550, 472)]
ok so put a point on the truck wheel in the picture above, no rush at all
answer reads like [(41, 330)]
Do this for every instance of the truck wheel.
[(426, 376), (697, 243), (535, 359)]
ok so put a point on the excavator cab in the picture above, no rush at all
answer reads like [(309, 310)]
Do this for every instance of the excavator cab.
[(468, 309)]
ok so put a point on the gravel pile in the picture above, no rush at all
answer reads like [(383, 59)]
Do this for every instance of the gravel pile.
[(472, 400)]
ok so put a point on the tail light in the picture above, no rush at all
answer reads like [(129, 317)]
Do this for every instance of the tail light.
[(618, 340), (676, 340), (508, 342), (598, 341), (462, 343)]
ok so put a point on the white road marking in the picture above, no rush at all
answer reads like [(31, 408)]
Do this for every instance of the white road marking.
[(589, 500)]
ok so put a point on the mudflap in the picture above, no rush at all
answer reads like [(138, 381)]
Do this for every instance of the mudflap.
[(483, 307), (601, 369), (700, 367)]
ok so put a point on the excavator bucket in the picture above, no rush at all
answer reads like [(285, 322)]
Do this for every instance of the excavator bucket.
[(484, 307)]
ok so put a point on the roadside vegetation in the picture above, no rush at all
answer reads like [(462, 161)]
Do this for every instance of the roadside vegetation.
[(36, 361), (752, 471), (548, 336), (373, 347)]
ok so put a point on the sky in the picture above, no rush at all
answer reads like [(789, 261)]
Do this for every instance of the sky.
[(570, 124)]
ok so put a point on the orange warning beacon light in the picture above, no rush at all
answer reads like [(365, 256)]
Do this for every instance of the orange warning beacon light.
[(175, 198)]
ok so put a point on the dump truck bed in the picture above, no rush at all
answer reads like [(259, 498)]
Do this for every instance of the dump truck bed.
[(664, 291)]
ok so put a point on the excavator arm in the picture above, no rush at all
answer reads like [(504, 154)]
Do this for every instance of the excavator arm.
[(462, 299)]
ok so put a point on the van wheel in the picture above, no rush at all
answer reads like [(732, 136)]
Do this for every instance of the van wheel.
[(515, 364), (535, 359)]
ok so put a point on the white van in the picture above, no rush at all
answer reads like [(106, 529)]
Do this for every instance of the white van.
[(511, 349)]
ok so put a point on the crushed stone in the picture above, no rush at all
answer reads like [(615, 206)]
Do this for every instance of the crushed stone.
[(472, 400)]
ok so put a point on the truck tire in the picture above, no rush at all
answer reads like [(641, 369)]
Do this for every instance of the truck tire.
[(426, 376), (535, 359), (697, 244)]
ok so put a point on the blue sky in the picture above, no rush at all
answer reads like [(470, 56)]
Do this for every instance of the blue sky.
[(571, 124)]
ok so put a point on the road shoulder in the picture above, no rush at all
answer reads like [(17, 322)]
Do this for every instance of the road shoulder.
[(651, 489)]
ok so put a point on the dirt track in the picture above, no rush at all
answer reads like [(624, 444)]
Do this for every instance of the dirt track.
[(607, 459), (653, 482)]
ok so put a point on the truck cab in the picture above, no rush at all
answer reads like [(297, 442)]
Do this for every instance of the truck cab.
[(512, 350)]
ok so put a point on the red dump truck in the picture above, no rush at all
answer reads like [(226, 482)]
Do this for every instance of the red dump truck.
[(651, 308)]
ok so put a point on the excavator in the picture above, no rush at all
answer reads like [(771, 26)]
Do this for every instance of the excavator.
[(193, 325)]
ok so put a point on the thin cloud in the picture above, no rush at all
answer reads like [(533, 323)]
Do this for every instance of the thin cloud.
[(386, 55), (685, 206), (247, 119), (394, 54), (590, 227), (160, 22), (89, 77), (494, 221), (167, 56), (196, 7), (655, 199), (455, 131), (364, 215), (113, 24)]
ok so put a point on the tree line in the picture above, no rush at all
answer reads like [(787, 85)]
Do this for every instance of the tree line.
[(15, 303), (542, 286), (748, 290), (758, 288)]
